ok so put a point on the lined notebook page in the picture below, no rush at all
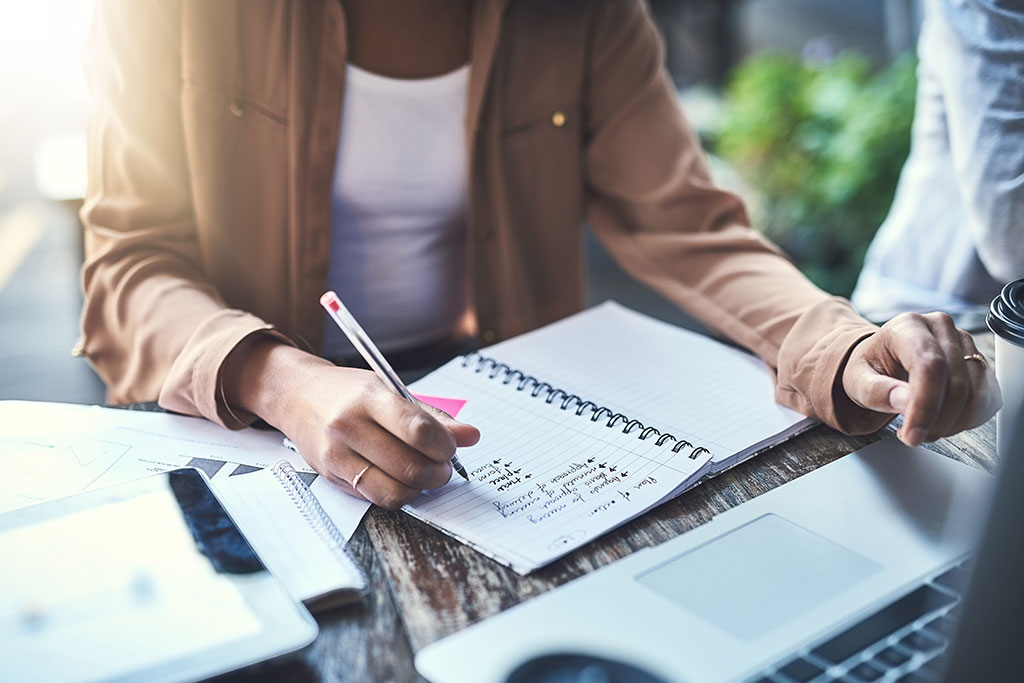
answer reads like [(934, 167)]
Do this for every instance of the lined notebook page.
[(675, 380), (298, 543), (543, 481)]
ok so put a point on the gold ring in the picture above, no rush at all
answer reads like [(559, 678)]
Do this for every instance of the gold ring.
[(978, 357), (355, 479)]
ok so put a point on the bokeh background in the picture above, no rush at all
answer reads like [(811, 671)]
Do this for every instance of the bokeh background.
[(804, 107)]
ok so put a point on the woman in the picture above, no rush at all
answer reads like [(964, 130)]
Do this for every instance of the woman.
[(221, 205)]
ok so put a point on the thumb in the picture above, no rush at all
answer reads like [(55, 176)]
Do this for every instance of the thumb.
[(465, 434), (899, 397), (879, 392)]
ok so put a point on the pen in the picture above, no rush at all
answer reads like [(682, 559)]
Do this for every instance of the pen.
[(372, 355)]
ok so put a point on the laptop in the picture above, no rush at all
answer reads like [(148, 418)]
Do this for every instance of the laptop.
[(852, 572)]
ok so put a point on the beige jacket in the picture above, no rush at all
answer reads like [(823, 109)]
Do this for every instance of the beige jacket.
[(211, 154)]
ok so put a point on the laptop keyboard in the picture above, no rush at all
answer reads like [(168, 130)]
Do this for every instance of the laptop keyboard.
[(903, 641)]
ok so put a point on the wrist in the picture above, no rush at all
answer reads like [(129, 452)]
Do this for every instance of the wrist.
[(851, 415), (261, 374), (845, 386)]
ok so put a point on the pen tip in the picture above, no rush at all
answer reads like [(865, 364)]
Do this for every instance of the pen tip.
[(462, 471)]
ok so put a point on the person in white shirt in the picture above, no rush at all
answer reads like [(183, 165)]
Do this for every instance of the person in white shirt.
[(399, 209), (955, 232)]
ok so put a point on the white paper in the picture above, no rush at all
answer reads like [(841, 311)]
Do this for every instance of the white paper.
[(542, 481), (678, 381), (51, 450), (300, 553), (546, 477)]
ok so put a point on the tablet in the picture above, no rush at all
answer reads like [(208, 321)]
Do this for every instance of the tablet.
[(148, 580)]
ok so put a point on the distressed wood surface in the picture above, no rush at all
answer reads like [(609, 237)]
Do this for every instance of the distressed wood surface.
[(426, 586)]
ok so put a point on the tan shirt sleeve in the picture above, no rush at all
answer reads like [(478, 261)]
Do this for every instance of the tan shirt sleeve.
[(652, 204), (154, 326)]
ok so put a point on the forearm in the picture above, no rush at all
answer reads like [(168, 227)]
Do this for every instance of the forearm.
[(265, 378), (653, 204)]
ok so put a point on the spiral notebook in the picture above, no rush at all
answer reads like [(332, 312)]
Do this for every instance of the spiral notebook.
[(589, 422), (297, 540)]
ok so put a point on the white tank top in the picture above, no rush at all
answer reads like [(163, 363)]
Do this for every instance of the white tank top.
[(398, 243)]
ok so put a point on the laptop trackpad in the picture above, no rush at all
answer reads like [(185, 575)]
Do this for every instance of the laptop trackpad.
[(758, 576)]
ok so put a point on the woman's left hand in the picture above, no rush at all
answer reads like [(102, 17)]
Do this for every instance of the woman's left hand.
[(926, 368)]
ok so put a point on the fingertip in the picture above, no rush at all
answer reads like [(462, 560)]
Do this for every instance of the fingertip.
[(913, 436), (465, 434), (899, 397)]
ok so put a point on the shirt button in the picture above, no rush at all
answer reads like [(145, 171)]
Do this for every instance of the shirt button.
[(558, 118), (237, 109), (489, 336)]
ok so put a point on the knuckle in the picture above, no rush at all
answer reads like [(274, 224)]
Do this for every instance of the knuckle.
[(932, 363), (389, 501), (420, 430), (393, 498), (346, 413), (413, 473), (339, 416), (907, 319), (941, 317), (368, 391), (333, 455), (958, 384), (438, 475)]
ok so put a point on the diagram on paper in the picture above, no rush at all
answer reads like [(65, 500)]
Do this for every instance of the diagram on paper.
[(32, 471)]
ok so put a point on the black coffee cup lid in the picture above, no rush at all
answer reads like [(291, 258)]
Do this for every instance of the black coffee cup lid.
[(1006, 314)]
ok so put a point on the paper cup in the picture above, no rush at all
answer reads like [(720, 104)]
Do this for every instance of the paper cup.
[(1006, 320)]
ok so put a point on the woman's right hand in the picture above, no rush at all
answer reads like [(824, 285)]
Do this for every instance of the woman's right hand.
[(345, 422)]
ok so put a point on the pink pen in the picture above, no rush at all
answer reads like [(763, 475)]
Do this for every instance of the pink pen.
[(372, 355)]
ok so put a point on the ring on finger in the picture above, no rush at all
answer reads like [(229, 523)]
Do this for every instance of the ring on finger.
[(978, 357), (355, 479)]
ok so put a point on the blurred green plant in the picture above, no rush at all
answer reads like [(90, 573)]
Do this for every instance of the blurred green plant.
[(823, 144)]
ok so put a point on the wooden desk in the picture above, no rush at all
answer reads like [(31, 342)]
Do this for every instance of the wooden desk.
[(426, 586)]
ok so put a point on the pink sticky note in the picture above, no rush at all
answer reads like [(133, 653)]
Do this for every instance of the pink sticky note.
[(452, 406)]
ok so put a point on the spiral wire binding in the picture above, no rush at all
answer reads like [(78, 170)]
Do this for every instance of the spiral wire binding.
[(313, 512), (479, 363)]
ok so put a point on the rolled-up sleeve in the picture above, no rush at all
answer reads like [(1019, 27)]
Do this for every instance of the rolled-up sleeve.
[(652, 203), (153, 324)]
